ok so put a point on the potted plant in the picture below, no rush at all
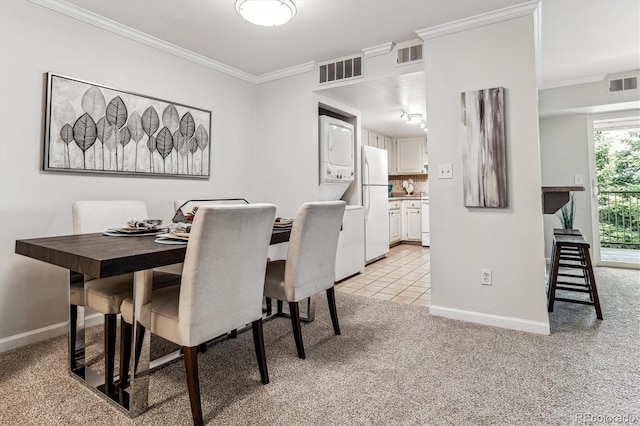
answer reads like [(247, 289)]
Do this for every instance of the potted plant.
[(567, 213)]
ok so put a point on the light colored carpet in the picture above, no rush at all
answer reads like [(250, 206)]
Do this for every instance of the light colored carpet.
[(393, 365)]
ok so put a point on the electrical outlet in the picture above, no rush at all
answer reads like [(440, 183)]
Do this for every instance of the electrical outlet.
[(578, 179), (445, 171), (485, 276)]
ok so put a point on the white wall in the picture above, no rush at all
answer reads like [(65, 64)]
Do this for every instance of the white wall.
[(287, 143), (564, 152), (509, 241), (33, 203)]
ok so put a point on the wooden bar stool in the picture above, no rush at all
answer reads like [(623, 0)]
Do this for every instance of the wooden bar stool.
[(570, 252)]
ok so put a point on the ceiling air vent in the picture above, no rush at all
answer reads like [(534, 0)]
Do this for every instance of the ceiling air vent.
[(622, 84), (340, 69), (409, 53)]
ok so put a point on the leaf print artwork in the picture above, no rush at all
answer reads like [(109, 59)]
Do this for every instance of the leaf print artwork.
[(187, 126), (104, 133), (178, 141), (93, 102), (171, 118), (97, 129), (193, 147), (134, 124), (125, 138), (164, 144), (151, 146), (116, 112), (183, 149), (203, 140), (150, 121), (66, 133), (111, 143), (85, 134), (64, 113)]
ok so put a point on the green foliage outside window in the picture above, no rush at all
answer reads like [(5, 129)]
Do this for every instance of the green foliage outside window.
[(618, 171)]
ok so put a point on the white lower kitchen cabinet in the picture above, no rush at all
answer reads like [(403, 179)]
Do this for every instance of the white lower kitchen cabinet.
[(395, 222), (411, 221), (414, 230), (424, 214)]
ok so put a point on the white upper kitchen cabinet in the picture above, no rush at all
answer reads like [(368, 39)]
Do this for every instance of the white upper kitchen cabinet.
[(373, 139), (364, 137), (411, 155), (391, 147)]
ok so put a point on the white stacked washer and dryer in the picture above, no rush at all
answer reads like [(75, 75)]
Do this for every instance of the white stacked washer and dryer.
[(337, 172)]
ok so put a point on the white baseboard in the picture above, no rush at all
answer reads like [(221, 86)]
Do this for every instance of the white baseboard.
[(44, 333), (511, 323)]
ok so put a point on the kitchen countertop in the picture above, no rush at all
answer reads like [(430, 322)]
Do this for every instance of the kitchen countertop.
[(408, 197)]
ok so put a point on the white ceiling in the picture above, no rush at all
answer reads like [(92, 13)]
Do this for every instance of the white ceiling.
[(581, 40)]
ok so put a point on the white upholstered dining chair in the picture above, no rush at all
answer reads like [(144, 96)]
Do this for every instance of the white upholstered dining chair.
[(221, 287), (310, 264), (105, 295)]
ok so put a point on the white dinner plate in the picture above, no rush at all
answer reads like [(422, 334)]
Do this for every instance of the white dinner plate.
[(175, 236), (162, 240), (114, 233)]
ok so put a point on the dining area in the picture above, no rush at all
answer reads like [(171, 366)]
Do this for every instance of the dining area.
[(393, 363), (192, 289)]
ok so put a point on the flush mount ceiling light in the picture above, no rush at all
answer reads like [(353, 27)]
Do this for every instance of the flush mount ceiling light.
[(268, 13)]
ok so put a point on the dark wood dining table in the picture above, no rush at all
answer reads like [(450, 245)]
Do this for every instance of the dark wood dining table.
[(88, 256)]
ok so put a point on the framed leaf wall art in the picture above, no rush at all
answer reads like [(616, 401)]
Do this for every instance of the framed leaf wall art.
[(97, 129)]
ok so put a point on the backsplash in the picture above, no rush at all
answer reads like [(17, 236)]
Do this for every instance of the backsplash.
[(419, 184)]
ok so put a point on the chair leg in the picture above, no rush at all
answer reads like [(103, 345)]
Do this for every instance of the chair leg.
[(125, 352), (110, 324), (193, 383), (258, 341), (297, 332), (268, 303), (331, 299), (280, 314)]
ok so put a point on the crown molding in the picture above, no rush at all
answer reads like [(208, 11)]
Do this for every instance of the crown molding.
[(286, 72), (573, 81), (381, 49), (114, 27), (488, 18)]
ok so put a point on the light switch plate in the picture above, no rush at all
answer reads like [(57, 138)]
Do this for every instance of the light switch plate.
[(578, 179), (445, 171)]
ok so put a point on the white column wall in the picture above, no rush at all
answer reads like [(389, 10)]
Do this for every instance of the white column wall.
[(509, 241), (33, 203)]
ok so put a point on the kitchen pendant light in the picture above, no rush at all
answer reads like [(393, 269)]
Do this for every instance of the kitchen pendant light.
[(268, 13)]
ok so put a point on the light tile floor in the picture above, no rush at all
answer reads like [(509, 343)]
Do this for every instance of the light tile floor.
[(404, 276)]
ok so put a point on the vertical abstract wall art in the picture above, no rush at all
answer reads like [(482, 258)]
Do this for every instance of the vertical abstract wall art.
[(483, 154), (97, 129)]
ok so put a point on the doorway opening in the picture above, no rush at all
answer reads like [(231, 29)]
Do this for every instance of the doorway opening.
[(616, 145)]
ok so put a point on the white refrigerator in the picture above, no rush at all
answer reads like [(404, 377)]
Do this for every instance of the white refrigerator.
[(375, 199)]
